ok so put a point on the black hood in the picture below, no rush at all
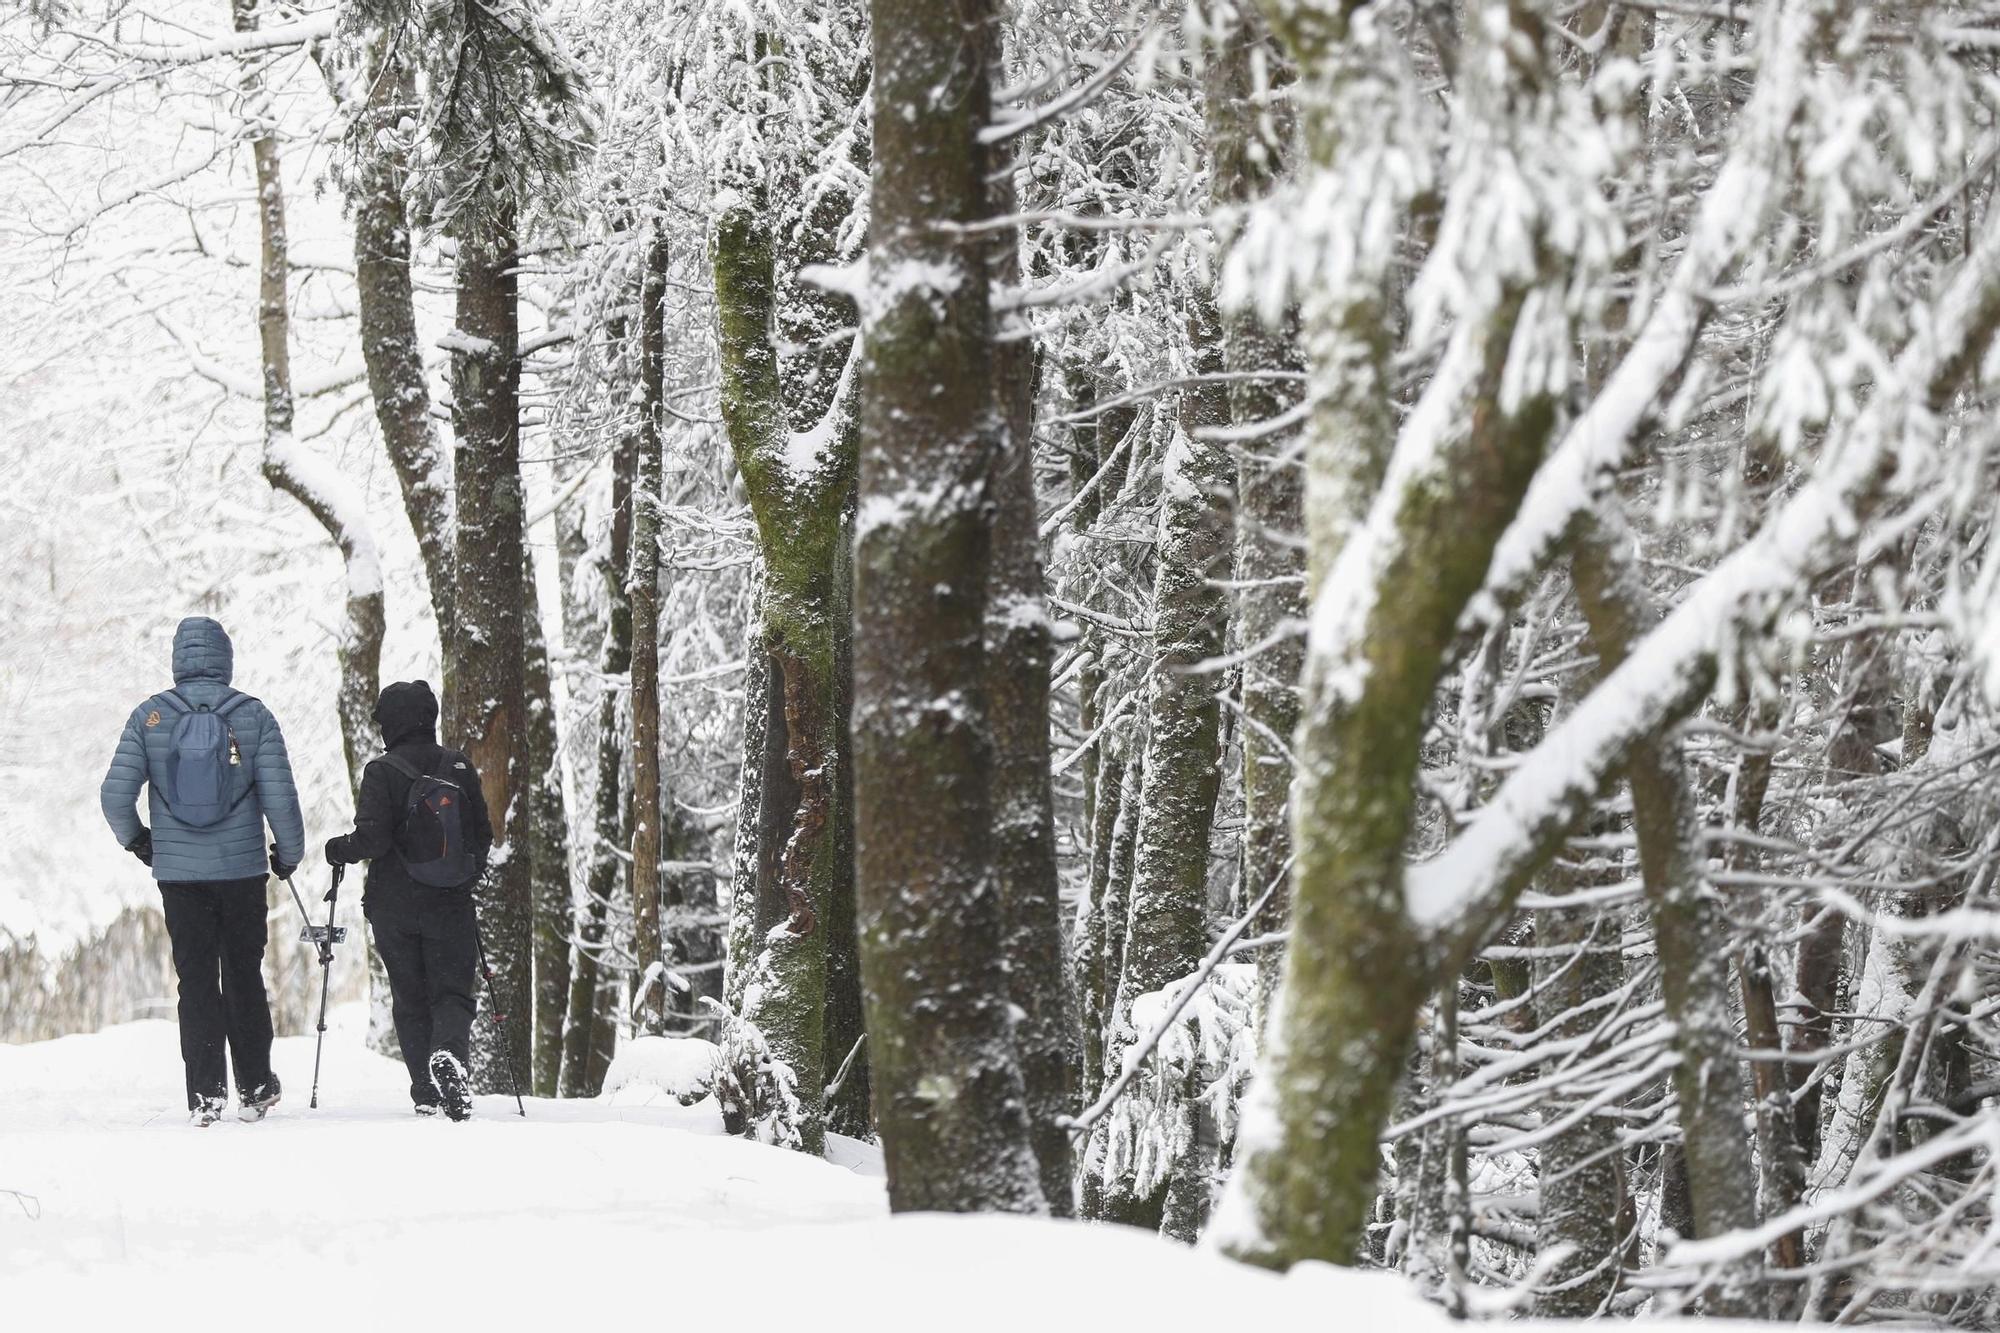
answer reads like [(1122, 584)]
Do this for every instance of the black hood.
[(407, 711)]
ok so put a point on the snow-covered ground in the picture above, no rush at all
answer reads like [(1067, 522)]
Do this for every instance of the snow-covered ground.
[(602, 1214)]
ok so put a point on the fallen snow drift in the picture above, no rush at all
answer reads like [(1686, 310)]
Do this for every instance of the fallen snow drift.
[(605, 1213)]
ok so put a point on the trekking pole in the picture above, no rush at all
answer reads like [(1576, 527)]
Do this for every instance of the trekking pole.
[(494, 1016), (325, 937)]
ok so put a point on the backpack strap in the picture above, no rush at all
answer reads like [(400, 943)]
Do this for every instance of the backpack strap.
[(400, 764), (230, 703)]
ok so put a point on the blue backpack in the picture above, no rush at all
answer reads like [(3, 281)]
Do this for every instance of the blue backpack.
[(204, 778)]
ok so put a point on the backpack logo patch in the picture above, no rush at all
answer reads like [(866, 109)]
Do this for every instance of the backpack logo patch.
[(153, 718)]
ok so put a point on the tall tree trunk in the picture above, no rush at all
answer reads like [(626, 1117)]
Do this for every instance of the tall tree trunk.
[(948, 1089), (554, 907), (798, 486), (1166, 932), (1691, 934), (386, 305), (487, 657), (648, 805), (588, 1029), (1347, 1007), (850, 1110), (1247, 139), (398, 384), (1020, 651), (1093, 941), (288, 468)]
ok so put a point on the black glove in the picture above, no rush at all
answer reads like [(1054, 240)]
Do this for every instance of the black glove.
[(336, 852), (279, 866), (142, 847)]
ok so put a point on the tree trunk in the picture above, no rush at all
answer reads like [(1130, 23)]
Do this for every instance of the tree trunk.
[(850, 1110), (798, 487), (326, 495), (650, 984), (386, 305), (287, 466), (1270, 515), (1347, 1006), (589, 1030), (1166, 932), (487, 657), (398, 384), (948, 1088), (1019, 653), (554, 909), (1691, 935)]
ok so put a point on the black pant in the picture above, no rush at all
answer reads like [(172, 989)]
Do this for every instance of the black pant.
[(217, 930), (429, 947)]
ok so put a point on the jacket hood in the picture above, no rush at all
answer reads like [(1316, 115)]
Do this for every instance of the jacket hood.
[(407, 710), (202, 651)]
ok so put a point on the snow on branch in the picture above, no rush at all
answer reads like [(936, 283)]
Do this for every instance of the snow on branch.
[(1456, 895), (1746, 189), (281, 36)]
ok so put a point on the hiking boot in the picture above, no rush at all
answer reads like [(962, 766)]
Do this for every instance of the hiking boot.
[(429, 1110), (254, 1105), (448, 1077), (207, 1111)]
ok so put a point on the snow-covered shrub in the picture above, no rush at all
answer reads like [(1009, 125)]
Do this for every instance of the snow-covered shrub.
[(1174, 1128), (757, 1092), (683, 1068)]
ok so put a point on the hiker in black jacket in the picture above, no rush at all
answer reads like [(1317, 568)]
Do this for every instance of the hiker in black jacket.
[(427, 936)]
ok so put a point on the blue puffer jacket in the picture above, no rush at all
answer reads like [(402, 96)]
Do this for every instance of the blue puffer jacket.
[(232, 848)]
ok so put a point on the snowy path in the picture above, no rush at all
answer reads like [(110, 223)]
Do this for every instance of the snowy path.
[(360, 1215)]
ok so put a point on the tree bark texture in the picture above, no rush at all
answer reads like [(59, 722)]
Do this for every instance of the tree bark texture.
[(487, 657), (650, 985), (949, 1094)]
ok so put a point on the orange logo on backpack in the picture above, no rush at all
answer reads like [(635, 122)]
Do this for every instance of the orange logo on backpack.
[(153, 718)]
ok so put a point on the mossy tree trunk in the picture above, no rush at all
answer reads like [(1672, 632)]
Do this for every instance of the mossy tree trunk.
[(949, 1094), (799, 484), (1353, 982)]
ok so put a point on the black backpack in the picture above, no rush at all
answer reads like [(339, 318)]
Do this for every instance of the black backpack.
[(430, 838)]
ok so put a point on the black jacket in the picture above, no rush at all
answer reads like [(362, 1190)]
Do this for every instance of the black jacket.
[(407, 715)]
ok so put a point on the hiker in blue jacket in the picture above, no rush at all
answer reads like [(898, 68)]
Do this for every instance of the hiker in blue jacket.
[(214, 765)]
